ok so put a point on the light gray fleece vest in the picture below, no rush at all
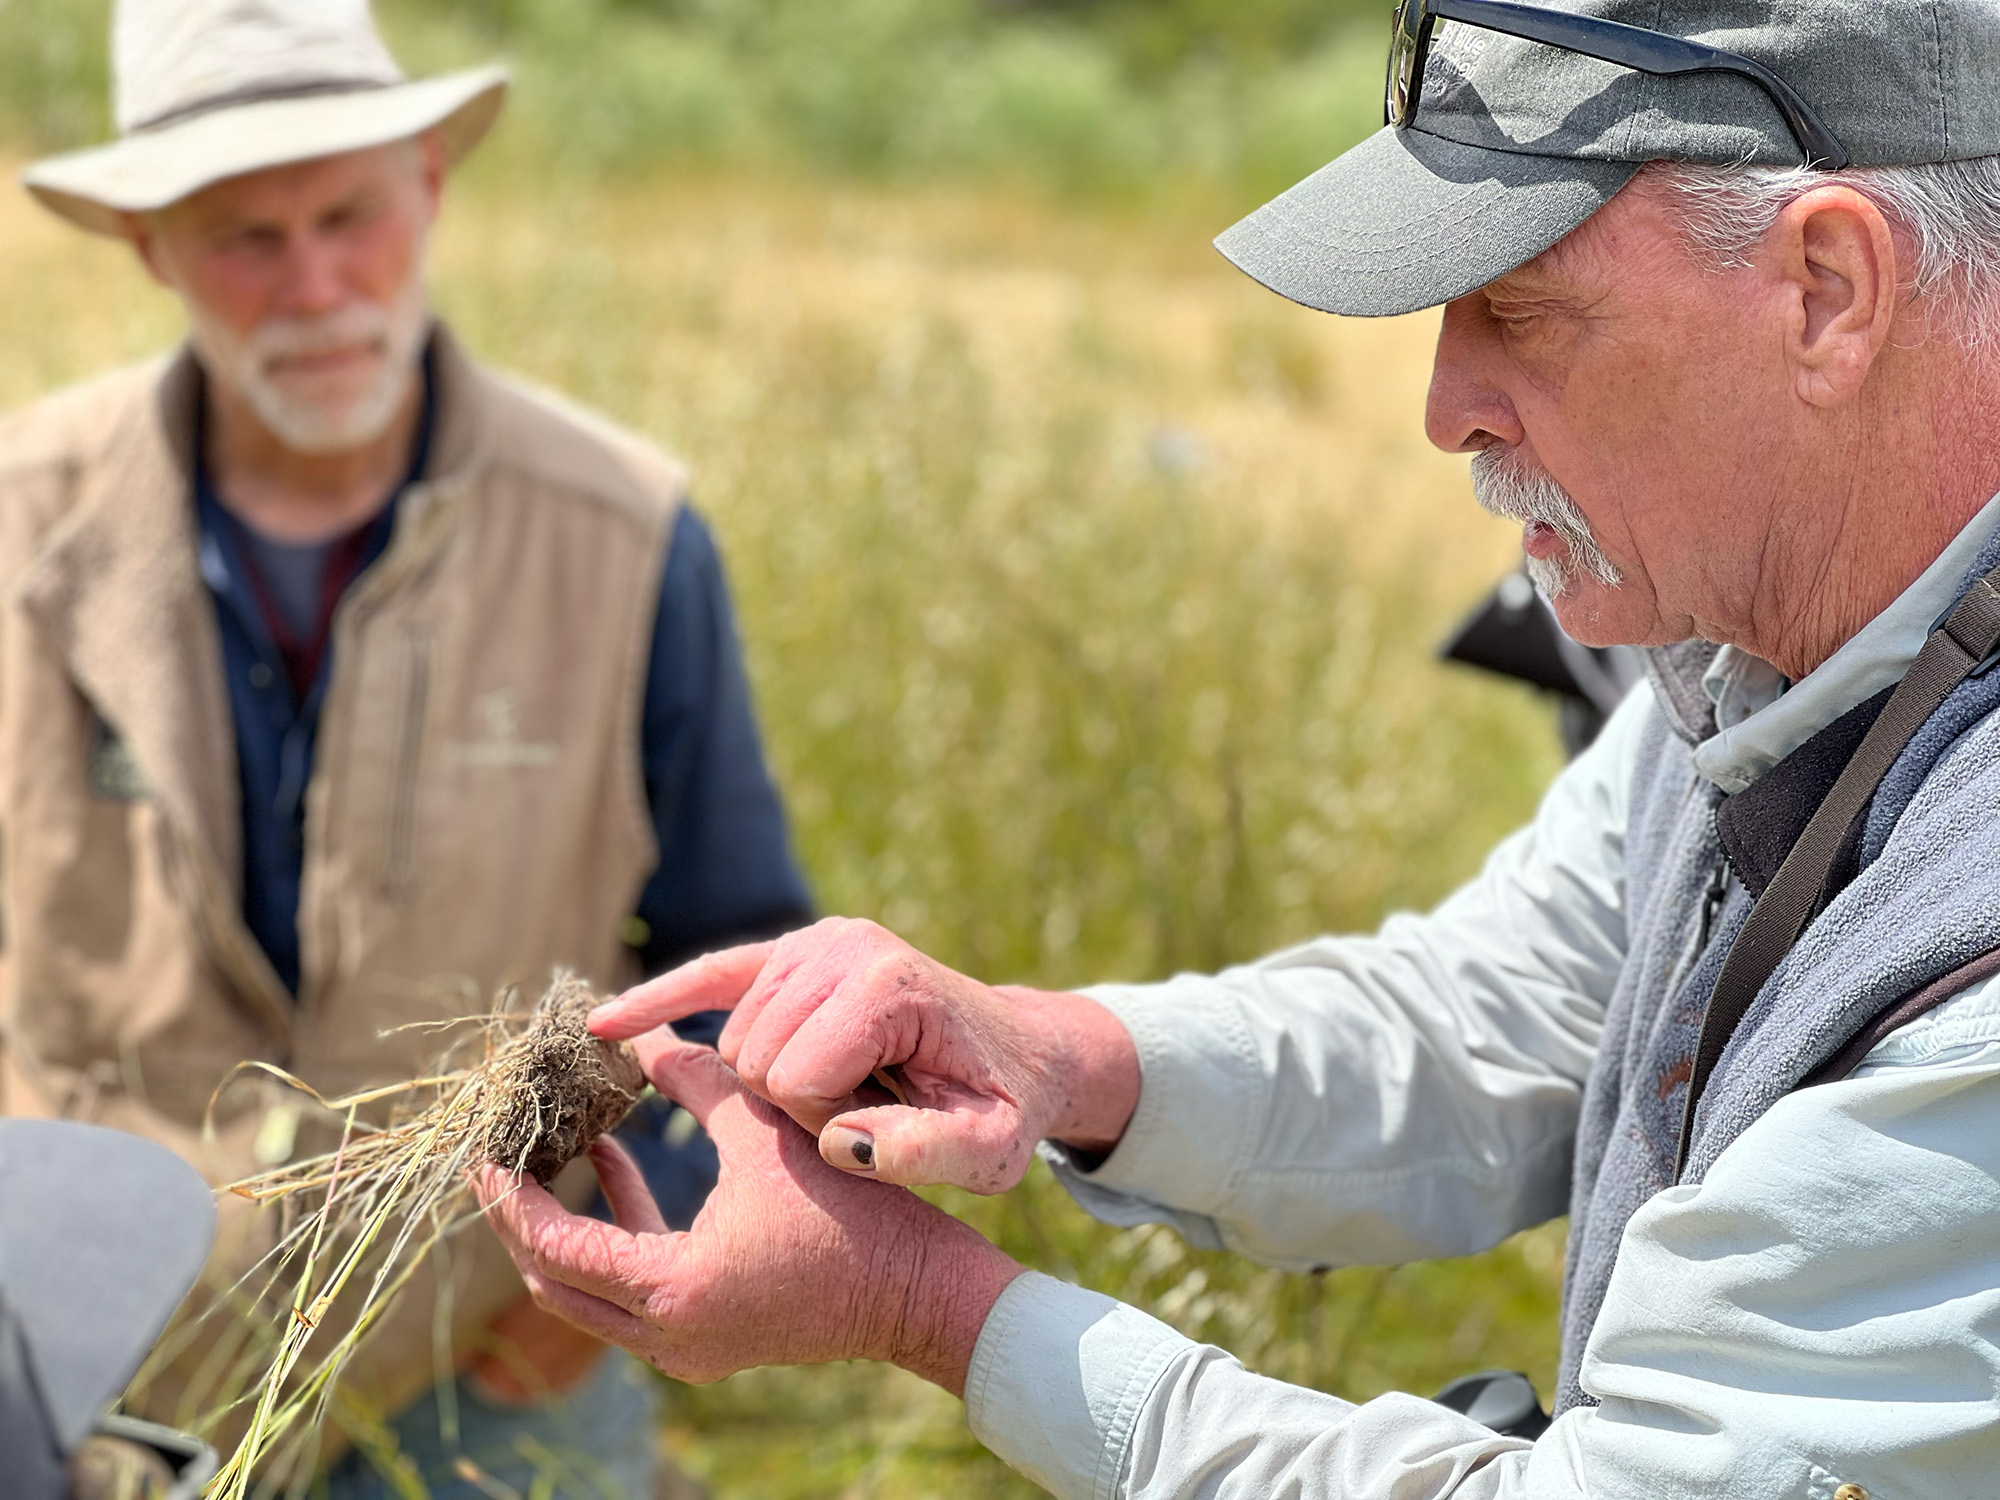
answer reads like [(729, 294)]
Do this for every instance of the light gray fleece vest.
[(1924, 902)]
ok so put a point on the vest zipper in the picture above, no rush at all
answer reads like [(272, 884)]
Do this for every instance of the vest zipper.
[(401, 857), (1695, 943), (1711, 903)]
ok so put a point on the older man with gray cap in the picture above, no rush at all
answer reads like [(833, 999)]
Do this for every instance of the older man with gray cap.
[(1721, 290), (345, 682)]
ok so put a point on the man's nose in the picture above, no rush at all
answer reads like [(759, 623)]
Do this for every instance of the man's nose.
[(313, 282), (1466, 410)]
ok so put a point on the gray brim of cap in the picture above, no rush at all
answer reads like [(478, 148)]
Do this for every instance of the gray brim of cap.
[(101, 1235), (1408, 220), (150, 169)]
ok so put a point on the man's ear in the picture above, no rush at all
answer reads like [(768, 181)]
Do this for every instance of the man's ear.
[(138, 230), (1835, 252), (432, 163)]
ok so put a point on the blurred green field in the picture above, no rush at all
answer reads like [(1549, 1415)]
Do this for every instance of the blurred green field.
[(1127, 100), (1089, 591)]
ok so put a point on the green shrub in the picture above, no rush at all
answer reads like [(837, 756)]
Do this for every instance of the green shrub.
[(53, 77), (1152, 98)]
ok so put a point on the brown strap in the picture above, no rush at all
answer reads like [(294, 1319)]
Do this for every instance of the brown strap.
[(1951, 654)]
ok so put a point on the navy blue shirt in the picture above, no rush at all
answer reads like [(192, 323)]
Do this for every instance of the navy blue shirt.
[(726, 872)]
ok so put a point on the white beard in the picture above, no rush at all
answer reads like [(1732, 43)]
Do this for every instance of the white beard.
[(1506, 487), (311, 415)]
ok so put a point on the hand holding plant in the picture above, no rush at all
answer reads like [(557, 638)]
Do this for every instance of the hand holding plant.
[(789, 1262)]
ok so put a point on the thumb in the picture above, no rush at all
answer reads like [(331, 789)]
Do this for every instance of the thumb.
[(633, 1206), (715, 981), (978, 1146), (687, 1073)]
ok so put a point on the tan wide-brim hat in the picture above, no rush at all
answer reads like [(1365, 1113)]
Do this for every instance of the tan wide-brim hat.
[(153, 168), (205, 90)]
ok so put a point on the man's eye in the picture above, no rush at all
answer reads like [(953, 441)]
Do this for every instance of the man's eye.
[(251, 242), (351, 216)]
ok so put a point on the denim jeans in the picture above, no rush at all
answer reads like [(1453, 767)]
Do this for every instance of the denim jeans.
[(597, 1442)]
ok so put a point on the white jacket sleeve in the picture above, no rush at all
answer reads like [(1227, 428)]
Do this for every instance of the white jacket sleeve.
[(1823, 1310), (1394, 1097)]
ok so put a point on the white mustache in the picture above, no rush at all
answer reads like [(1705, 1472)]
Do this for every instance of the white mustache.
[(358, 323), (1507, 487)]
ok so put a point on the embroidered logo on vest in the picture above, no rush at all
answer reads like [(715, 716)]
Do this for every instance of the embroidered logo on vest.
[(502, 747)]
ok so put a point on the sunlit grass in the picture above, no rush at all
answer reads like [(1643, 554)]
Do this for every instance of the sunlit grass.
[(1089, 592)]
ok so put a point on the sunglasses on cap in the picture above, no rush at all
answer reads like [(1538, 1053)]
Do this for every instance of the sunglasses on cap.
[(1590, 36)]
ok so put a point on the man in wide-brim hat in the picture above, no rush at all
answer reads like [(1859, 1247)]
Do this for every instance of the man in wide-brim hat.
[(346, 682)]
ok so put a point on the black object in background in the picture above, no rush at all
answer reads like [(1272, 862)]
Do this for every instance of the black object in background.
[(1514, 633), (1504, 1400)]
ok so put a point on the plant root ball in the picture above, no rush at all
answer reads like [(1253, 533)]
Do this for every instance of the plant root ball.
[(557, 1088)]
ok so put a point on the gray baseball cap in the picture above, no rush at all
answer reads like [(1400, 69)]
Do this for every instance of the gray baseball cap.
[(101, 1235), (1515, 142)]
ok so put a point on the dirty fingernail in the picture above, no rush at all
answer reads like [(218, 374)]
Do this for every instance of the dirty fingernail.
[(840, 1146)]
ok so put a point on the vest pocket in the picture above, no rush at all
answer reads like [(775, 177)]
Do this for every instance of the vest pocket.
[(399, 846)]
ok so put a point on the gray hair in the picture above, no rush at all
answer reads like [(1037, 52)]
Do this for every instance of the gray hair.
[(1950, 212)]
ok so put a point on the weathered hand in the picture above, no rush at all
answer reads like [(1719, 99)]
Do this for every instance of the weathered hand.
[(789, 1262), (989, 1072)]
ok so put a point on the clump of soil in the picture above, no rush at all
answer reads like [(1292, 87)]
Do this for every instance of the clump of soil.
[(558, 1088)]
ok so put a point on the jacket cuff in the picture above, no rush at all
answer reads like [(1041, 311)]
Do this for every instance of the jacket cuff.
[(1058, 1379), (1202, 1103)]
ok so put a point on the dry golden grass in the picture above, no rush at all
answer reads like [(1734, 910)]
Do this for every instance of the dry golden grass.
[(1089, 591), (660, 303), (709, 281)]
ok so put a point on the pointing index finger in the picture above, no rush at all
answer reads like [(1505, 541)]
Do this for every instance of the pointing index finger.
[(715, 981)]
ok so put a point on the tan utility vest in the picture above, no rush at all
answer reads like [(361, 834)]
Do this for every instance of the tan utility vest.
[(477, 813)]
